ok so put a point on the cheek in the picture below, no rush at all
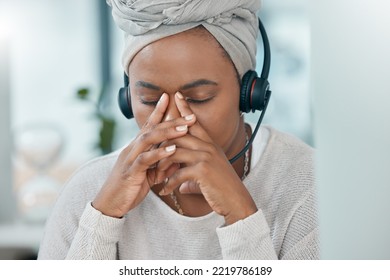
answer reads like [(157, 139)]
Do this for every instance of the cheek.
[(220, 121), (141, 113)]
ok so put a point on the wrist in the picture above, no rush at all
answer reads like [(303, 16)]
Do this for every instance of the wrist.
[(240, 214), (105, 210)]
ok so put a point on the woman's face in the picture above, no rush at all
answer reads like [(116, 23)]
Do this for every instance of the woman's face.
[(194, 64)]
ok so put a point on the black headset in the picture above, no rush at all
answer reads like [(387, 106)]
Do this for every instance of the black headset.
[(255, 92)]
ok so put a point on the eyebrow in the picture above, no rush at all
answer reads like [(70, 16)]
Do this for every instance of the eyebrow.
[(147, 85), (196, 83)]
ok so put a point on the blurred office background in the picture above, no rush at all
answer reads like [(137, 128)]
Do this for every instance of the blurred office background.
[(55, 49), (60, 72)]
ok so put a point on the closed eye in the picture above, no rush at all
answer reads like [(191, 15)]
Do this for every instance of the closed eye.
[(149, 103), (189, 100), (198, 101)]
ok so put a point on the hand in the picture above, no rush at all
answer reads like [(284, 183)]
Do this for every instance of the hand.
[(133, 174), (205, 169)]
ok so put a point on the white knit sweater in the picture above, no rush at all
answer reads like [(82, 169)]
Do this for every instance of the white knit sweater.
[(285, 226)]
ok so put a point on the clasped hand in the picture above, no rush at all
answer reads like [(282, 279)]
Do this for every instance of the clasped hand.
[(181, 154)]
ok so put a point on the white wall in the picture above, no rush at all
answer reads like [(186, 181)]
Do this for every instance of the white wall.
[(7, 200), (54, 52), (351, 88)]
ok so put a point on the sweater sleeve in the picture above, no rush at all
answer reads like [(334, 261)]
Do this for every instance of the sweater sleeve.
[(247, 239), (96, 236), (76, 230), (287, 226), (251, 239)]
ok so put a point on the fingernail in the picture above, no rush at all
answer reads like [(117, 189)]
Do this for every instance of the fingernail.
[(161, 98), (179, 95), (181, 128), (161, 192), (189, 117), (170, 148)]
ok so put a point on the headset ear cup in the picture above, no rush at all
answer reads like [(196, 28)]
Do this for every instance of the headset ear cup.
[(246, 91), (124, 102), (259, 94)]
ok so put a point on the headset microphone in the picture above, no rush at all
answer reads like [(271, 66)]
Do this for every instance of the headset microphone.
[(255, 92)]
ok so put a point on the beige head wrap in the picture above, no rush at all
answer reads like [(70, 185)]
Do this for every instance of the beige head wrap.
[(233, 23)]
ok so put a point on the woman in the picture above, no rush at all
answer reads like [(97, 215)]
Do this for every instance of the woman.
[(172, 192)]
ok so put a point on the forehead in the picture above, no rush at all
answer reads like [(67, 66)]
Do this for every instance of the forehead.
[(193, 52)]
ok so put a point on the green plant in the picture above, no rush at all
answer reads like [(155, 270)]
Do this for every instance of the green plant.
[(107, 123)]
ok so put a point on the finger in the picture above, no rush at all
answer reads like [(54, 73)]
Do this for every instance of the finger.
[(179, 177), (191, 150), (146, 159), (161, 175), (161, 133), (185, 110), (189, 187), (188, 120), (158, 113), (183, 156), (190, 142), (182, 105)]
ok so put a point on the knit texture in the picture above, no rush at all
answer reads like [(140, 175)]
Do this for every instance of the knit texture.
[(282, 184)]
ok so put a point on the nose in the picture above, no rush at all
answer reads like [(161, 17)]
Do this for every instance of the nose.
[(172, 111)]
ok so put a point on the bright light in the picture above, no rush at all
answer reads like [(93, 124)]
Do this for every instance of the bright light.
[(7, 22)]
